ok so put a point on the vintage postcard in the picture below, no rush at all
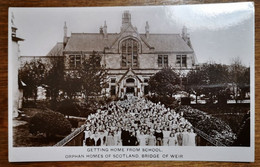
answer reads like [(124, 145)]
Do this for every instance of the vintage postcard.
[(134, 83)]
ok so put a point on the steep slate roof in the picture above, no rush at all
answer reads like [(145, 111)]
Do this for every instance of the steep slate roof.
[(167, 43), (89, 42), (96, 41), (56, 50)]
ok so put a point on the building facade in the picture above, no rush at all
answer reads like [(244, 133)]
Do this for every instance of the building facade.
[(14, 57), (130, 57)]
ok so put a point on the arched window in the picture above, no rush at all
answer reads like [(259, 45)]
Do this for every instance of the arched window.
[(130, 80), (129, 48)]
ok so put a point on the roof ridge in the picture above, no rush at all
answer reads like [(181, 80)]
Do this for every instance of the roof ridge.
[(83, 33), (160, 34)]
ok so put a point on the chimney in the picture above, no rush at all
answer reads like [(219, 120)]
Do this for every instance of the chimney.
[(185, 34), (13, 26), (101, 30), (147, 30), (65, 38), (105, 30), (126, 19)]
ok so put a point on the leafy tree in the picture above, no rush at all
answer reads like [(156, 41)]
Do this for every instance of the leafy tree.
[(68, 107), (50, 123), (32, 74), (55, 77), (216, 82), (194, 82), (212, 80), (165, 82), (71, 86), (93, 75)]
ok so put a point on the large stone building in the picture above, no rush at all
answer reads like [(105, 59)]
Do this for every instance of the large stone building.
[(130, 57)]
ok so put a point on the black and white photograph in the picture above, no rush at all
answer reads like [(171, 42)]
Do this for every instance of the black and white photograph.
[(132, 83)]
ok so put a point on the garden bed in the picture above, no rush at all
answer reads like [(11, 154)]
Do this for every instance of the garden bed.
[(23, 138), (232, 114), (212, 126)]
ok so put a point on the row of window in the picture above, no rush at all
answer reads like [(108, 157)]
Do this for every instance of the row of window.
[(129, 50), (129, 59), (181, 60)]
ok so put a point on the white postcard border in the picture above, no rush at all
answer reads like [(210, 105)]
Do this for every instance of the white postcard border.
[(199, 153)]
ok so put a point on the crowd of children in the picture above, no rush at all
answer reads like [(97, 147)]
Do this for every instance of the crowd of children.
[(138, 122)]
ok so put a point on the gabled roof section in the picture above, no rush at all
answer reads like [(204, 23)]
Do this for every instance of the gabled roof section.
[(167, 43), (89, 41), (56, 50), (129, 72), (129, 28)]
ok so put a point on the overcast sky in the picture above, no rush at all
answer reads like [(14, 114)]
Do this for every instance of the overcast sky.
[(219, 32)]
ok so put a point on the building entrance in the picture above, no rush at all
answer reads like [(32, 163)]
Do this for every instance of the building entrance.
[(130, 90)]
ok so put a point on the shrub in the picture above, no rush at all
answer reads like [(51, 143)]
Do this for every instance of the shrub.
[(166, 100), (49, 122), (68, 107), (29, 104), (74, 122), (212, 126), (165, 82)]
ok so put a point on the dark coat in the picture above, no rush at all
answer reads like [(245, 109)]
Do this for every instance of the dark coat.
[(125, 136), (89, 142), (133, 141)]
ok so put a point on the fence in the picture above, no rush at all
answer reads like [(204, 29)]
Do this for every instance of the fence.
[(208, 138), (71, 136)]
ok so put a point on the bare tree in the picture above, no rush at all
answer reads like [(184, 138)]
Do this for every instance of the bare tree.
[(240, 78)]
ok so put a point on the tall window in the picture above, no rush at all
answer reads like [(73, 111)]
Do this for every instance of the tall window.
[(181, 60), (113, 90), (75, 61), (113, 80), (129, 53), (146, 90), (162, 60)]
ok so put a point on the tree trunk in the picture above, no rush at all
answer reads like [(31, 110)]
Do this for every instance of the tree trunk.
[(35, 95)]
